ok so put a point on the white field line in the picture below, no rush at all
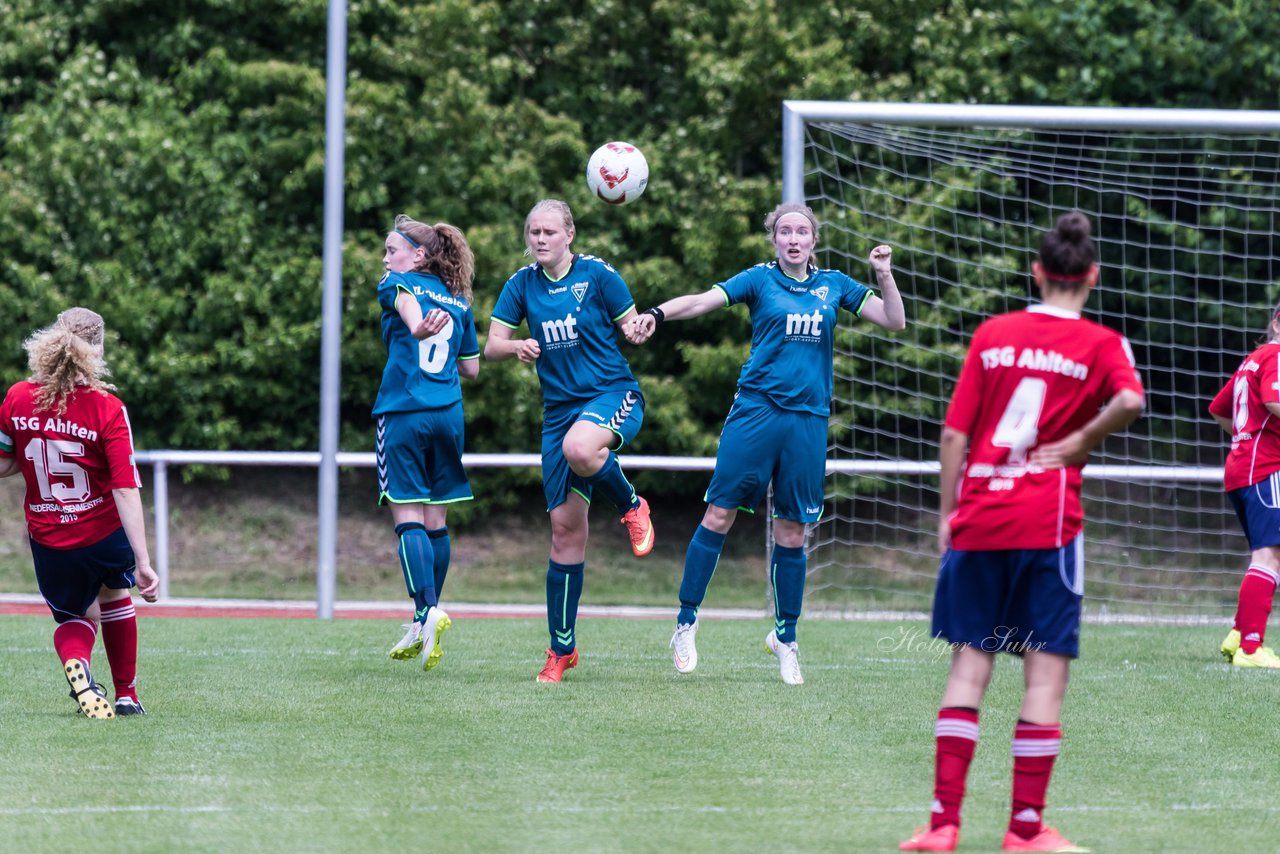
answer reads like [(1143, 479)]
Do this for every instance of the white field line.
[(274, 809)]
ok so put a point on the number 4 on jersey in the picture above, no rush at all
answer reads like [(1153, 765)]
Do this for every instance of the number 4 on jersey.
[(1018, 427)]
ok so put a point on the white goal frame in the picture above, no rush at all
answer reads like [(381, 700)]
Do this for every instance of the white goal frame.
[(798, 115)]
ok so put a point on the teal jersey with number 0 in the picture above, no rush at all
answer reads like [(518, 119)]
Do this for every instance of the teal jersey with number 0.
[(423, 374)]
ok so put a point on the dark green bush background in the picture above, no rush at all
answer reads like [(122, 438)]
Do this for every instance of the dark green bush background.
[(163, 163)]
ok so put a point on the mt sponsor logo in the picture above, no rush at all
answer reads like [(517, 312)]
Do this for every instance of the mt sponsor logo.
[(805, 325), (560, 332)]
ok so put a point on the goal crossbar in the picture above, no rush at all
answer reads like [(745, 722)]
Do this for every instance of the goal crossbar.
[(1186, 210), (796, 114)]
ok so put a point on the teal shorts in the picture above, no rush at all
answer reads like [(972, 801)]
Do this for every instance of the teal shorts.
[(621, 412), (420, 457), (760, 443)]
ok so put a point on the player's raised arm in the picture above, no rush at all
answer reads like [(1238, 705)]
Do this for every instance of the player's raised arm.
[(643, 325), (886, 310)]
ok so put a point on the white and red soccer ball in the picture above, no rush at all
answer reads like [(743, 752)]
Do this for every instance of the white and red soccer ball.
[(617, 173)]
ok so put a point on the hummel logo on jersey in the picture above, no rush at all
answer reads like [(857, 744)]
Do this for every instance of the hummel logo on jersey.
[(624, 411), (381, 455), (808, 325), (579, 291), (821, 293), (554, 331)]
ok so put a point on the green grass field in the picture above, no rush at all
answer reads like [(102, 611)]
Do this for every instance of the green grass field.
[(300, 735)]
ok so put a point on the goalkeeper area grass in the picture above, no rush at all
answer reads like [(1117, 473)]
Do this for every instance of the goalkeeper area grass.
[(301, 735)]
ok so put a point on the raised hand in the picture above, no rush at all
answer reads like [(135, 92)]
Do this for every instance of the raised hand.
[(882, 258)]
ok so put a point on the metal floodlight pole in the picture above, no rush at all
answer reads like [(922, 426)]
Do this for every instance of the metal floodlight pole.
[(331, 320)]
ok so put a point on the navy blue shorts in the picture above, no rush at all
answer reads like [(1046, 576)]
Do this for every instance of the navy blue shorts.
[(1012, 601), (620, 412), (761, 442), (70, 579), (420, 457), (1258, 509)]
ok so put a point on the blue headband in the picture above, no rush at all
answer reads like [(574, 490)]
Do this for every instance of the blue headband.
[(412, 242)]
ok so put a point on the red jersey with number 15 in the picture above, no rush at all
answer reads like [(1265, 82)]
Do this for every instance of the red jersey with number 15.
[(1255, 432), (71, 463), (1030, 377)]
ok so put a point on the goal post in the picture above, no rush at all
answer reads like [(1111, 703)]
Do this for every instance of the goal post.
[(1186, 211)]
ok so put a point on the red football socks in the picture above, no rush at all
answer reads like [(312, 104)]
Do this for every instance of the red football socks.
[(120, 639), (1254, 607), (74, 639), (1035, 747), (956, 735)]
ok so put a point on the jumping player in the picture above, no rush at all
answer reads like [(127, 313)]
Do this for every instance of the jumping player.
[(1248, 408), (776, 429), (1038, 391), (430, 336), (591, 403), (70, 438)]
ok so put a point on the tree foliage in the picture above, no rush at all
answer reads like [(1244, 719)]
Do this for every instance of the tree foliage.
[(164, 164)]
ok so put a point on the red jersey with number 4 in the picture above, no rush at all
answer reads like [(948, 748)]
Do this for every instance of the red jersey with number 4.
[(71, 463), (1255, 432), (1030, 377)]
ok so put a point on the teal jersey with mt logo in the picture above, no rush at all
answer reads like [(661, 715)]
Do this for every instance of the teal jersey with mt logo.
[(573, 320), (792, 327)]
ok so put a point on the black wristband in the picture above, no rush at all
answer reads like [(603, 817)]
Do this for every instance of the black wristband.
[(658, 316)]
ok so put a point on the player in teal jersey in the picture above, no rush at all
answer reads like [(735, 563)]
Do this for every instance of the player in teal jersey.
[(430, 335), (574, 306), (776, 429)]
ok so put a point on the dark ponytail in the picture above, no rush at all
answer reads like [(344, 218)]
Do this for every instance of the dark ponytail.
[(1067, 252)]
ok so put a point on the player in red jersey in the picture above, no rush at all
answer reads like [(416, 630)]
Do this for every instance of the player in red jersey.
[(1038, 391), (1248, 408), (70, 438)]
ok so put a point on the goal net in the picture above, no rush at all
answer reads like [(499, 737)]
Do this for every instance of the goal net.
[(1185, 207)]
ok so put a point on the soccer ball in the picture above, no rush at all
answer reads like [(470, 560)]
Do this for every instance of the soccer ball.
[(617, 173)]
